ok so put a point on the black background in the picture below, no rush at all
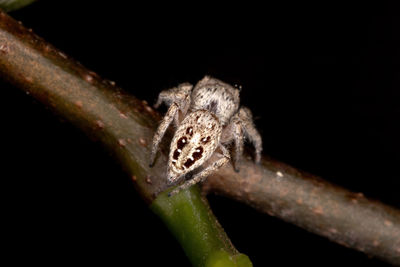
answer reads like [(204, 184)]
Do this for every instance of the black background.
[(323, 84)]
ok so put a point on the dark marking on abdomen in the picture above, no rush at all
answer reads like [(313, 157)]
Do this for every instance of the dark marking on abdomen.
[(176, 154), (196, 155), (182, 142), (205, 140), (189, 163)]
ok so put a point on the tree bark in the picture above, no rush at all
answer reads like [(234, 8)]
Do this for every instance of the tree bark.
[(307, 201)]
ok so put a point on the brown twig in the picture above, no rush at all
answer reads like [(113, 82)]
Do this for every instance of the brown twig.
[(347, 218), (120, 121)]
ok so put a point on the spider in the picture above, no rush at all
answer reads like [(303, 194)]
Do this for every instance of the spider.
[(207, 118)]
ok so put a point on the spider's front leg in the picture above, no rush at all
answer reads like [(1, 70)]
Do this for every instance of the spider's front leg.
[(166, 121), (178, 98), (206, 172)]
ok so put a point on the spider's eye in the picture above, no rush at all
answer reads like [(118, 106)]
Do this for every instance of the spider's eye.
[(205, 140)]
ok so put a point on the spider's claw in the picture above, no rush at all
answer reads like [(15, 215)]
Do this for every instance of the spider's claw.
[(152, 160), (158, 103), (235, 166)]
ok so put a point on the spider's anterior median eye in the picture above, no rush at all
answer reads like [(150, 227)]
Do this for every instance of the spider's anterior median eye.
[(205, 140)]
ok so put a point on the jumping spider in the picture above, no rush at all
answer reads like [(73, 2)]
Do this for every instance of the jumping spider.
[(207, 118)]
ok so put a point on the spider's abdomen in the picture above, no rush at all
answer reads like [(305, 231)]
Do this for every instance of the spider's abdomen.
[(194, 142), (219, 98)]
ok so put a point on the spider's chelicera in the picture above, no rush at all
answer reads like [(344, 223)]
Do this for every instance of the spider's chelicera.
[(207, 118)]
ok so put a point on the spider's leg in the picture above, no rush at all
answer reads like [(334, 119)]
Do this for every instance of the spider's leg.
[(178, 99), (166, 96), (234, 133), (179, 95), (204, 173), (250, 131), (238, 137), (166, 121)]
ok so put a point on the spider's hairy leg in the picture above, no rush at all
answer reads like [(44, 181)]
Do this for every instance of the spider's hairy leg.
[(233, 132), (204, 173), (238, 138), (251, 132), (166, 121), (177, 95), (166, 97), (178, 99)]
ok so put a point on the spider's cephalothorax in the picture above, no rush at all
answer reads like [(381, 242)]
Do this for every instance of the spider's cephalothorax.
[(207, 118)]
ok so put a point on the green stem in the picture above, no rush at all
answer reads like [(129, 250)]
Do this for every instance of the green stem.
[(188, 217), (10, 5)]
